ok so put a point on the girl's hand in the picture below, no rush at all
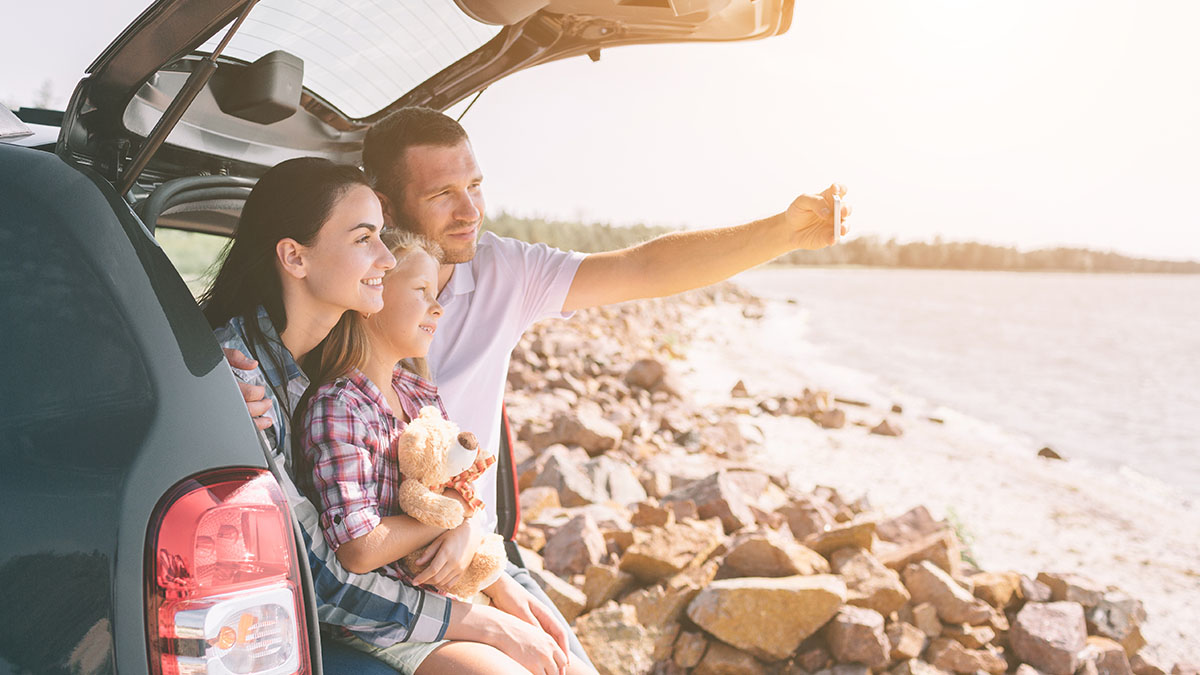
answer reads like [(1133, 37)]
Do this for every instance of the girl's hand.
[(511, 597), (448, 556)]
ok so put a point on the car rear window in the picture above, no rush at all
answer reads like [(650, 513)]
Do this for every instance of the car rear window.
[(359, 55)]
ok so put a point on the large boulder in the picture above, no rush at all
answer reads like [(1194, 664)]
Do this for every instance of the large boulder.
[(569, 600), (615, 641), (907, 641), (929, 583), (940, 548), (950, 655), (657, 553), (1048, 636), (860, 534), (721, 659), (856, 635), (770, 554), (1107, 655), (602, 583), (913, 525), (767, 617), (1067, 587), (1117, 617), (717, 496), (562, 473), (998, 589), (869, 583), (584, 426), (574, 546)]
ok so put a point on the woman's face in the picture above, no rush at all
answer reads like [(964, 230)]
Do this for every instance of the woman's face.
[(410, 313), (345, 263)]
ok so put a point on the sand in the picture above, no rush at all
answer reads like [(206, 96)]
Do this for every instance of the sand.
[(1017, 511)]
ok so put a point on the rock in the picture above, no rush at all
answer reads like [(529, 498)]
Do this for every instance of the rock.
[(1068, 587), (1108, 655), (575, 488), (1026, 669), (1117, 616), (925, 617), (1048, 636), (769, 554), (1047, 453), (574, 546), (886, 428), (834, 418), (616, 479), (716, 496), (859, 534), (812, 658), (534, 500), (569, 600), (915, 667), (1145, 664), (997, 589), (971, 637), (645, 374), (663, 636), (532, 538), (739, 390), (1032, 590), (806, 517), (941, 549), (648, 514), (657, 553), (897, 408), (928, 583), (869, 583), (949, 655), (721, 659), (657, 606), (689, 649), (767, 617), (1185, 669), (684, 509), (913, 525), (584, 426), (614, 640), (856, 635), (602, 583), (656, 483), (907, 641)]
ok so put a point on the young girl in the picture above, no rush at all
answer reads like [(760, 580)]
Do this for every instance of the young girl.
[(362, 399), (307, 252)]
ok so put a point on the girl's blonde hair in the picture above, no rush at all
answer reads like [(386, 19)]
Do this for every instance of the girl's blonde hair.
[(346, 347)]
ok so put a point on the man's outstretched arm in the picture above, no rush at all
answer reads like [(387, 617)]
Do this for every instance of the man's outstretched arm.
[(681, 261)]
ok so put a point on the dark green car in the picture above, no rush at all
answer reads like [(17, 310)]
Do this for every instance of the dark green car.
[(142, 531)]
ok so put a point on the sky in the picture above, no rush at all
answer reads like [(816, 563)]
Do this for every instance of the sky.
[(1031, 123)]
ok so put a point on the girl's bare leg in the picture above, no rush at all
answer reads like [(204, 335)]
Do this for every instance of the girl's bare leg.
[(469, 658)]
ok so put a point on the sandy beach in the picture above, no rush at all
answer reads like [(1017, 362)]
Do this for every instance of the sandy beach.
[(1016, 511)]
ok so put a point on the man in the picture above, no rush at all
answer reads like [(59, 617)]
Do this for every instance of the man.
[(492, 289)]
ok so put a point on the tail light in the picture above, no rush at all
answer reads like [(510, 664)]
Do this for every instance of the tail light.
[(223, 590)]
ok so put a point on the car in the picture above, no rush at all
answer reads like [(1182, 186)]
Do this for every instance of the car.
[(144, 530)]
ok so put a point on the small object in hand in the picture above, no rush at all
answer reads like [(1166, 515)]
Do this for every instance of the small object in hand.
[(837, 218)]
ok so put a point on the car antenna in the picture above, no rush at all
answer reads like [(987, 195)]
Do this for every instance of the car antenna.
[(464, 112), (171, 116)]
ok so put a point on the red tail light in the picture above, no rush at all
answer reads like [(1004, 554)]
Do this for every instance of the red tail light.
[(223, 587)]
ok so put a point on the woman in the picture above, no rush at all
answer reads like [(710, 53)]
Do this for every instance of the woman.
[(307, 251)]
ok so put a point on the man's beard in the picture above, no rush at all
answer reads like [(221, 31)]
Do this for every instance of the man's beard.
[(464, 252)]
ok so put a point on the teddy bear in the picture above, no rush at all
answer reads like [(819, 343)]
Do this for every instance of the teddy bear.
[(433, 455)]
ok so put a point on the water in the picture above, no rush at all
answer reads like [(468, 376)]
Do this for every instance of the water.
[(1103, 368)]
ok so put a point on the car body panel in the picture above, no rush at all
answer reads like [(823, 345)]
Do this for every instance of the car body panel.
[(112, 382)]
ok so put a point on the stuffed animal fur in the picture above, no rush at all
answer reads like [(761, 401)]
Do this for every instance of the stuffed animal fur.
[(433, 455)]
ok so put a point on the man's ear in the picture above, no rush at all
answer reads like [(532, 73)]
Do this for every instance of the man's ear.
[(388, 219), (290, 254)]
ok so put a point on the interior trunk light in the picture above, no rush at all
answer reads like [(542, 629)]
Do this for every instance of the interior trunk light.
[(222, 589)]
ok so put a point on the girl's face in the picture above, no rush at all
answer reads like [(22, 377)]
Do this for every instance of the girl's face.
[(410, 313), (345, 264)]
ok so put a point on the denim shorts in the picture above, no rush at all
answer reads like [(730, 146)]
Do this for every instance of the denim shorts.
[(404, 657)]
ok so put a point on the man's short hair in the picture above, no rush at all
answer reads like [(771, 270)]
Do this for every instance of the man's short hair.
[(387, 141)]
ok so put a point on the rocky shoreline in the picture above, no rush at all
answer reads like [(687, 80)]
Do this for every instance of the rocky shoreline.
[(664, 534)]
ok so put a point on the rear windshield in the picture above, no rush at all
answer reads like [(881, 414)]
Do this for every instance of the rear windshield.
[(359, 55)]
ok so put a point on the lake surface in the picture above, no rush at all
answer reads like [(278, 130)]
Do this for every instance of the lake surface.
[(1103, 368)]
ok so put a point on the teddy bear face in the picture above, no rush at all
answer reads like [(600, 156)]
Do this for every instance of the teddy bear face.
[(431, 449)]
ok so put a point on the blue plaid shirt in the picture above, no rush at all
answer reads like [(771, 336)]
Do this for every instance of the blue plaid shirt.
[(379, 609)]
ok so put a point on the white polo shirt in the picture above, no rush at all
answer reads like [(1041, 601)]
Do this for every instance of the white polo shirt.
[(489, 303)]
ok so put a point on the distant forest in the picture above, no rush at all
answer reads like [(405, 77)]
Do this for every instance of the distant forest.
[(867, 251)]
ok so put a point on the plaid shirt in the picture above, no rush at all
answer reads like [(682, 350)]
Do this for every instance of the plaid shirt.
[(376, 607), (349, 437)]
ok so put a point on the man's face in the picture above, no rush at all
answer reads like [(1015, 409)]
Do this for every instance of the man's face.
[(442, 197)]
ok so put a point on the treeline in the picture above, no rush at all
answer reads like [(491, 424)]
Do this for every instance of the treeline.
[(868, 251)]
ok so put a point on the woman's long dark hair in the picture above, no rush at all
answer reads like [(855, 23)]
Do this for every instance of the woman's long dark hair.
[(293, 200)]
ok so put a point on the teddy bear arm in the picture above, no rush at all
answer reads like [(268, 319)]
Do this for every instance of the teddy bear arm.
[(428, 506)]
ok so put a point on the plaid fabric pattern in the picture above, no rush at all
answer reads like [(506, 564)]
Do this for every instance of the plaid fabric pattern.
[(349, 436), (465, 483), (375, 607)]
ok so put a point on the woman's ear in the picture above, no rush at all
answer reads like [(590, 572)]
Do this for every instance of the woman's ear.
[(290, 254)]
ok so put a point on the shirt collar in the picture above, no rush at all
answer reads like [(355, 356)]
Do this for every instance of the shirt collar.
[(461, 281), (291, 370)]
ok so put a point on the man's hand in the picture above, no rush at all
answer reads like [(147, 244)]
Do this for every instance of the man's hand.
[(448, 556), (810, 218), (511, 597), (255, 396)]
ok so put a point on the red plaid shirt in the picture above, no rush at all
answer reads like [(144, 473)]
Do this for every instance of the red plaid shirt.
[(349, 438)]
